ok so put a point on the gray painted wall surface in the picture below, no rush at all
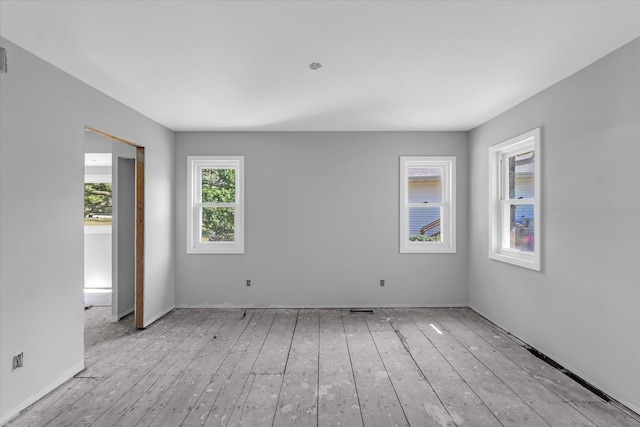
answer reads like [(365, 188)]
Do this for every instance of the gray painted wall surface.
[(322, 222), (124, 227), (582, 308), (43, 112)]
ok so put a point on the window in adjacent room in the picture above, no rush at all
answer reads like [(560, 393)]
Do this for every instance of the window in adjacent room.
[(514, 209), (97, 204), (427, 204), (216, 205)]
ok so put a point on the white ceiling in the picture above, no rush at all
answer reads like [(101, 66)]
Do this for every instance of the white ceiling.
[(387, 65)]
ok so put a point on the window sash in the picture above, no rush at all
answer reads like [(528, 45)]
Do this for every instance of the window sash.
[(504, 169), (505, 232), (196, 165), (447, 210)]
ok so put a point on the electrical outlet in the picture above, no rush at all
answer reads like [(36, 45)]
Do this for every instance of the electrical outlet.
[(248, 282), (18, 361), (382, 282)]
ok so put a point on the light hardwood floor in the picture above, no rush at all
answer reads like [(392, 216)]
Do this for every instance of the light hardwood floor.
[(315, 367)]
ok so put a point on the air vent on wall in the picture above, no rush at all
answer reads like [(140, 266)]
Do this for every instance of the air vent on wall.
[(3, 60)]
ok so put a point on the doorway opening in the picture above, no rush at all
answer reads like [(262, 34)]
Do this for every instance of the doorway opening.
[(114, 221)]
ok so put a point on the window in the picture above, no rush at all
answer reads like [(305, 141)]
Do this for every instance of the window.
[(427, 204), (514, 209), (97, 207), (216, 205)]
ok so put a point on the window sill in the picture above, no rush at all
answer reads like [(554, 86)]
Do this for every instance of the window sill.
[(521, 259)]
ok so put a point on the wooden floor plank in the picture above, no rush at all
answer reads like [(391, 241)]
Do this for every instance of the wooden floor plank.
[(462, 403), (549, 405), (111, 358), (298, 398), (97, 336), (275, 351), (256, 331), (507, 407), (175, 406), (216, 406), (421, 405), (146, 352), (308, 367), (260, 405), (338, 403), (378, 401), (232, 418), (268, 372), (140, 398)]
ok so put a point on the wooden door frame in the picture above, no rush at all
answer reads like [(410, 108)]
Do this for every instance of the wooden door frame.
[(139, 309)]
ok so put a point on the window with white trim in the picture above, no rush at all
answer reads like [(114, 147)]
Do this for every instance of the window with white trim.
[(215, 217), (514, 209), (427, 204)]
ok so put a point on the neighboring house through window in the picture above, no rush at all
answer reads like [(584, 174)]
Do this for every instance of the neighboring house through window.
[(427, 204), (215, 214), (514, 209)]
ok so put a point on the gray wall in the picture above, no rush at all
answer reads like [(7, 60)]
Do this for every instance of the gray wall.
[(321, 223), (43, 112), (124, 227), (582, 308)]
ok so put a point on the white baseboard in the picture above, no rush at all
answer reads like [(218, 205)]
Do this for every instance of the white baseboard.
[(66, 376), (294, 306)]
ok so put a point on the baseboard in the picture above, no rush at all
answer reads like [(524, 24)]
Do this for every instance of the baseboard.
[(66, 376), (158, 316), (295, 306)]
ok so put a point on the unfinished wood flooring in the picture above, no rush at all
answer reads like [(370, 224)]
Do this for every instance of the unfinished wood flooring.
[(315, 367)]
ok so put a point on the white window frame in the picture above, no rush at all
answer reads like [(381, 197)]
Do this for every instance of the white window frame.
[(195, 165), (499, 200), (448, 204)]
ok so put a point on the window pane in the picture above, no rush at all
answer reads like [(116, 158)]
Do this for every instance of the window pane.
[(424, 224), (218, 224), (521, 175), (520, 227), (425, 185), (218, 185), (97, 204)]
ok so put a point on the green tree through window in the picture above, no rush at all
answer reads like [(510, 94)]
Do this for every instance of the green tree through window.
[(97, 203), (218, 186)]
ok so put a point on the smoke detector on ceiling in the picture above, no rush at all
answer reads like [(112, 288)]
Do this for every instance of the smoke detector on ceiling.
[(315, 65)]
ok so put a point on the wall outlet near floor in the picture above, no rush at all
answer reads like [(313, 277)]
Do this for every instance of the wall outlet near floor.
[(248, 282), (18, 361), (382, 282)]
